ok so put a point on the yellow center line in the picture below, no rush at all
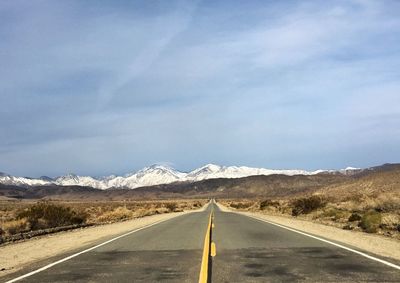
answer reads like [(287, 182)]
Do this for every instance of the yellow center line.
[(213, 249), (208, 246)]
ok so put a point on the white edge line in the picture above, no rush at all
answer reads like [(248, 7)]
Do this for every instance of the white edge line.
[(326, 241), (85, 251)]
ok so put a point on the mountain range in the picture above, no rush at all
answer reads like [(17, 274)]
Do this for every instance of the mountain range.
[(160, 174), (375, 182)]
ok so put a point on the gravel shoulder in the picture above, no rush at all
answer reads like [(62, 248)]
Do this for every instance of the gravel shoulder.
[(376, 244), (15, 256)]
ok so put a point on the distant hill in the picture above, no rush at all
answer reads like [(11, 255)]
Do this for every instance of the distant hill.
[(373, 182)]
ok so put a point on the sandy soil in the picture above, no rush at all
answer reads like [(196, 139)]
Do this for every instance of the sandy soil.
[(15, 256), (375, 244)]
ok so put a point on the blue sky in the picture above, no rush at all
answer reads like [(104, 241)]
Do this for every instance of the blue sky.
[(101, 87)]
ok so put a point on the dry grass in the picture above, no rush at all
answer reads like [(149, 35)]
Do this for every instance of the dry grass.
[(117, 214), (15, 226)]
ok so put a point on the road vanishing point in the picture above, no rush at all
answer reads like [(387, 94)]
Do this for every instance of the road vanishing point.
[(212, 246)]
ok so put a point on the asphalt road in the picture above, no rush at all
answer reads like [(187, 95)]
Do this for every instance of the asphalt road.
[(248, 250)]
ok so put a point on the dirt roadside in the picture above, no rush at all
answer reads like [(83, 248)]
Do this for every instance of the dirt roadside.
[(372, 243)]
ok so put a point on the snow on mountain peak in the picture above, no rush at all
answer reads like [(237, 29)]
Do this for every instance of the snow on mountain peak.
[(158, 168), (212, 167), (351, 168)]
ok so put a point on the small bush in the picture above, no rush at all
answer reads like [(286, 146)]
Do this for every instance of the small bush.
[(370, 221), (197, 204), (388, 205), (268, 203), (307, 205), (335, 214), (240, 205), (46, 215), (347, 227), (354, 217), (171, 206), (15, 226), (147, 212), (117, 214)]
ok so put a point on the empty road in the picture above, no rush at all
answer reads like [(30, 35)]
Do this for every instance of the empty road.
[(248, 250)]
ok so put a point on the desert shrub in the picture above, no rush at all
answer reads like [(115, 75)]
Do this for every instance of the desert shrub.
[(307, 205), (117, 214), (348, 227), (370, 221), (46, 215), (158, 205), (240, 205), (267, 203), (171, 206), (354, 217), (148, 212), (388, 205), (390, 221), (15, 226), (335, 214), (197, 204)]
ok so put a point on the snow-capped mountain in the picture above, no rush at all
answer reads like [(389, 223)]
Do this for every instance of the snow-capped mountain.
[(159, 174), (148, 176), (74, 180), (211, 171), (21, 181)]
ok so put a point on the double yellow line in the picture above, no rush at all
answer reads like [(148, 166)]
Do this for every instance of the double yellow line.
[(208, 251)]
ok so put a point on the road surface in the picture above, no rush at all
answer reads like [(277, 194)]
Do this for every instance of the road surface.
[(248, 250)]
